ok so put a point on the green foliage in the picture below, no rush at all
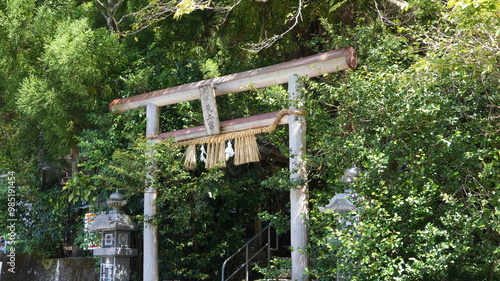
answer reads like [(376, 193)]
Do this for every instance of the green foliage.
[(279, 221), (276, 270), (419, 116), (76, 63), (56, 69), (202, 221), (421, 127)]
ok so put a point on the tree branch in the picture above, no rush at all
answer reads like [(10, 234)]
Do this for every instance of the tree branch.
[(266, 43)]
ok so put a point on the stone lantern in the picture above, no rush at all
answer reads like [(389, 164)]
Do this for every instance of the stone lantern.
[(115, 252), (343, 203)]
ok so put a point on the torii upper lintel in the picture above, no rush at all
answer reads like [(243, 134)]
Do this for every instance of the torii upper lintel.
[(332, 61)]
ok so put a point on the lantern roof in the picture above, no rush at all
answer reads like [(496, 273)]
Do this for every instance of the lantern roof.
[(116, 219)]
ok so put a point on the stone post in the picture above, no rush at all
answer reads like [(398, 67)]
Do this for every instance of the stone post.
[(343, 203), (115, 252)]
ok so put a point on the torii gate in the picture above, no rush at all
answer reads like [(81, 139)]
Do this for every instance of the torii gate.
[(206, 91)]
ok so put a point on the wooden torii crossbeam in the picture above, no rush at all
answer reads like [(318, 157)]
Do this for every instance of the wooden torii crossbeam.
[(312, 66), (206, 91), (235, 125)]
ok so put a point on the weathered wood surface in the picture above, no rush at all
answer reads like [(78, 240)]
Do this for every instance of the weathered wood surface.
[(209, 108), (299, 211), (235, 125), (332, 61)]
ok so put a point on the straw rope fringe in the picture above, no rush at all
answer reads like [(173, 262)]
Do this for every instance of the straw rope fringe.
[(216, 156), (246, 149), (190, 158)]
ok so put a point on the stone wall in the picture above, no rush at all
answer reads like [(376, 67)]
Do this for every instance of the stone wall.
[(34, 268)]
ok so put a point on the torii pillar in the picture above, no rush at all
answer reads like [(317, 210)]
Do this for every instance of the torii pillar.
[(298, 176), (150, 266)]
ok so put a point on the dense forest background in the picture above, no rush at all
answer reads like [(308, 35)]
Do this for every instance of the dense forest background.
[(419, 116)]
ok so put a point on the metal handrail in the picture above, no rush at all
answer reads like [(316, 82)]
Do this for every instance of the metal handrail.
[(248, 259)]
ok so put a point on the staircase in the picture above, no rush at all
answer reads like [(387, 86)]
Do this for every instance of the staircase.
[(239, 266)]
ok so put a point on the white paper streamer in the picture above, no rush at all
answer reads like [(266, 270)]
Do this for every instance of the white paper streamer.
[(203, 155), (229, 150)]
